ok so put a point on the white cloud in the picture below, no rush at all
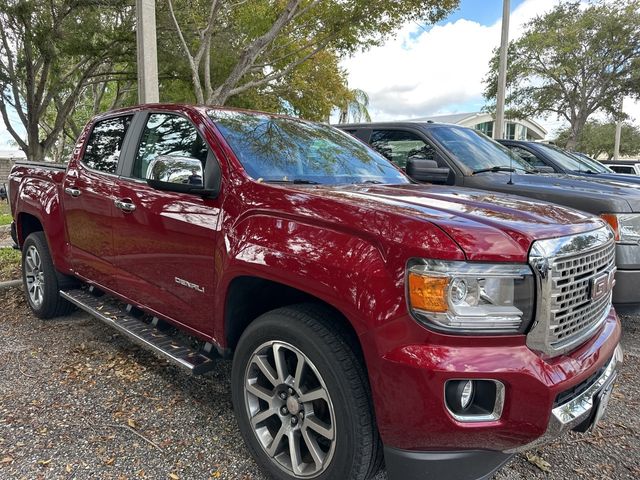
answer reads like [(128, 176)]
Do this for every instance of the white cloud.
[(421, 73)]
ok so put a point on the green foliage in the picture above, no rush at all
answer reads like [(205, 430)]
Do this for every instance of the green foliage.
[(572, 62), (286, 50), (5, 214), (9, 264), (597, 139), (50, 52)]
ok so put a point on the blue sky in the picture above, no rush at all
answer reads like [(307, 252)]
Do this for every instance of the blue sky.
[(485, 12), (439, 69)]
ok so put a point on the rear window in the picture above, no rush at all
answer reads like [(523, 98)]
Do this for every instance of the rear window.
[(105, 143)]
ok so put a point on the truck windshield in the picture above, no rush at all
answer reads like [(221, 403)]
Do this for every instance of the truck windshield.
[(475, 150), (565, 160), (276, 149)]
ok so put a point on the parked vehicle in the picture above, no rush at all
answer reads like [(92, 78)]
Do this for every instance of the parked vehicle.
[(623, 167), (454, 155), (541, 154), (368, 317), (584, 156)]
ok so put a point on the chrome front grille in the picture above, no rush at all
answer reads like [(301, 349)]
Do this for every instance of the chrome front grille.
[(575, 277)]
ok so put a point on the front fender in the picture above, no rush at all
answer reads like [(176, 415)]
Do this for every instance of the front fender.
[(349, 272)]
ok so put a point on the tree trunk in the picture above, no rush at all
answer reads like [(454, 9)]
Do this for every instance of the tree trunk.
[(577, 125)]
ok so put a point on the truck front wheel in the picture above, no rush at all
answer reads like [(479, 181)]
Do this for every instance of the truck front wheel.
[(41, 281), (302, 399)]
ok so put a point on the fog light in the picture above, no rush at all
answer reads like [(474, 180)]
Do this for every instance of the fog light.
[(474, 400), (466, 395)]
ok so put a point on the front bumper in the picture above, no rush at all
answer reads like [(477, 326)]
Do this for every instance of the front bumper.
[(411, 366), (578, 411), (626, 292)]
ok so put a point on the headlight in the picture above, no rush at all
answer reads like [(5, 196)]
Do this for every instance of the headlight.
[(477, 298), (625, 226)]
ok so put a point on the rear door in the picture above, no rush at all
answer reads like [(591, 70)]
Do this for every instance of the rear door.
[(89, 190), (165, 241)]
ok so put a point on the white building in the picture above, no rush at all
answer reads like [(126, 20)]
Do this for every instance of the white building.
[(525, 129)]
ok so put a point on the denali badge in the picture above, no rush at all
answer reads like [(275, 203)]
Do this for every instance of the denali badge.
[(601, 285), (194, 286)]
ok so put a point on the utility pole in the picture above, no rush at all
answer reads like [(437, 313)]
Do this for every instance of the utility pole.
[(147, 51), (498, 125)]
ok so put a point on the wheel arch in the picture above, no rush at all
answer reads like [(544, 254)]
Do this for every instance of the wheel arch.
[(248, 297), (26, 225)]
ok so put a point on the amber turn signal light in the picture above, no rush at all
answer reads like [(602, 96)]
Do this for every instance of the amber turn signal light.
[(428, 293), (612, 220)]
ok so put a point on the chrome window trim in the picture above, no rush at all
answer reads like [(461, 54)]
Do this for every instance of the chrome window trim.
[(541, 258)]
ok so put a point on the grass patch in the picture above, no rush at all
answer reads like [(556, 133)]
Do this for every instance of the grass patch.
[(5, 214), (9, 264)]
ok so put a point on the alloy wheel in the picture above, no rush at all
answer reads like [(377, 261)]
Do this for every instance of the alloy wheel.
[(290, 409)]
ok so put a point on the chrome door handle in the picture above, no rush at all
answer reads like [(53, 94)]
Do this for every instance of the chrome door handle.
[(125, 205), (74, 192)]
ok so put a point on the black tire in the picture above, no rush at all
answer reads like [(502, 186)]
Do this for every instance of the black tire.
[(50, 303), (317, 333)]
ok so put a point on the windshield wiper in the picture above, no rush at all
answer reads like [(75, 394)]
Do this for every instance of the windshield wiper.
[(495, 169), (375, 182), (295, 181)]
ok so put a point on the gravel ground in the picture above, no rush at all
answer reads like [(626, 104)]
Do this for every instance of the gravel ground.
[(77, 400)]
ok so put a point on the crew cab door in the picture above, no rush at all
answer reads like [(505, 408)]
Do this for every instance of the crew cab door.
[(88, 193), (165, 241)]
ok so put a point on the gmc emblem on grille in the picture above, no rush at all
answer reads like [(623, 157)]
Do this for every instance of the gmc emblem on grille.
[(601, 285)]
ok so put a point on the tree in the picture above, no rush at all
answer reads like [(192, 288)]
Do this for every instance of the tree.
[(266, 40), (572, 62), (50, 52), (597, 138), (355, 106)]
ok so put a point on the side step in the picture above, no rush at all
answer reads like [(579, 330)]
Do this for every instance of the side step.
[(140, 332)]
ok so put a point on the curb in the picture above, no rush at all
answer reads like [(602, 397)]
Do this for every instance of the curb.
[(9, 284)]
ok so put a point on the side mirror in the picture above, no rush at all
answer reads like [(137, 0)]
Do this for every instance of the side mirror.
[(545, 169), (423, 170), (177, 174)]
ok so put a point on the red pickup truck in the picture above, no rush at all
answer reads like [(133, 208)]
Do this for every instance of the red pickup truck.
[(437, 328)]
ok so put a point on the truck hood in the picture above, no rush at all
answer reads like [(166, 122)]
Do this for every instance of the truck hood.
[(485, 225), (591, 194)]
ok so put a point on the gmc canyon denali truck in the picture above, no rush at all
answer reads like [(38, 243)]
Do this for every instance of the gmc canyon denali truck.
[(369, 318), (453, 155)]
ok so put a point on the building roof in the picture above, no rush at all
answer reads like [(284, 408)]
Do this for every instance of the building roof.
[(471, 119)]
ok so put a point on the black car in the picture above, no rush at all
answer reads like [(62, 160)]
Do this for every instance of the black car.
[(454, 155), (544, 155)]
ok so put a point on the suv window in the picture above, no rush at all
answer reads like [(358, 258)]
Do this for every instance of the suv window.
[(526, 155), (167, 134), (397, 146), (622, 169), (104, 144)]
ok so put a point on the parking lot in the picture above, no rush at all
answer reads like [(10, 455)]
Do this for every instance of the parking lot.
[(77, 400)]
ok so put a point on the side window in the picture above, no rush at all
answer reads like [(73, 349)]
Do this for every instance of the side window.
[(527, 156), (623, 169), (104, 144), (397, 146), (167, 134)]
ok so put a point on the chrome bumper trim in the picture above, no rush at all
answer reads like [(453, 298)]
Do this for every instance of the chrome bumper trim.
[(575, 411)]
